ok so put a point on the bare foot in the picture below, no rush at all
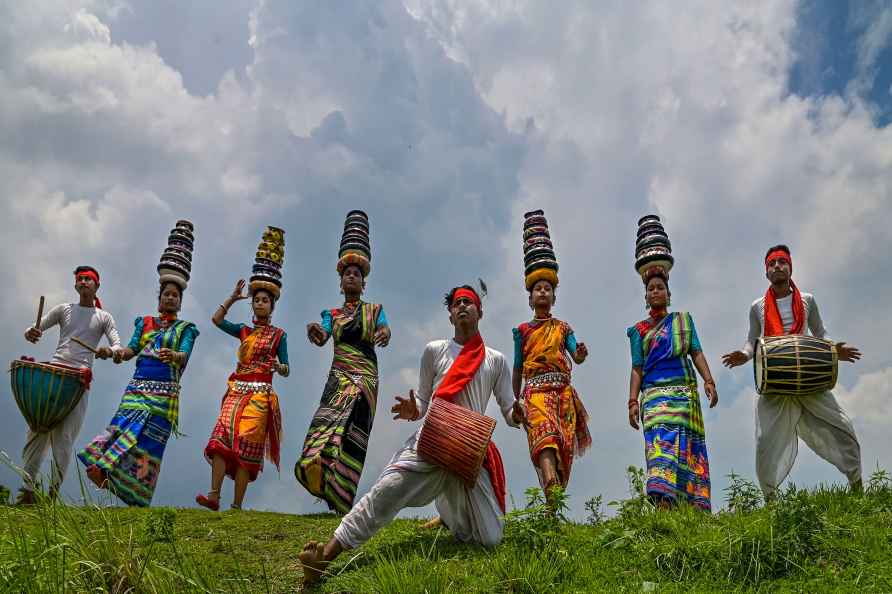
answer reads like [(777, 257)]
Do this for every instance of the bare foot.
[(313, 560), (430, 525)]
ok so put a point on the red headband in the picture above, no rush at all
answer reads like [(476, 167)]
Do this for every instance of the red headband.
[(463, 292), (779, 254), (88, 274), (95, 277)]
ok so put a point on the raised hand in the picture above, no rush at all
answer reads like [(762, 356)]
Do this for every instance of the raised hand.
[(33, 334), (382, 336), (405, 408), (239, 293), (316, 333), (847, 353), (734, 359)]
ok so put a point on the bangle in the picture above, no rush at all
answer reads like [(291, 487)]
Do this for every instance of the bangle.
[(709, 381), (633, 403), (223, 307)]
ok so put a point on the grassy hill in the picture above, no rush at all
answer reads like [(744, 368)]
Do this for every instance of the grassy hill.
[(825, 540)]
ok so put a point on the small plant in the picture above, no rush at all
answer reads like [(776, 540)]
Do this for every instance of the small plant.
[(880, 481), (538, 524), (741, 494), (595, 509), (158, 526), (639, 504)]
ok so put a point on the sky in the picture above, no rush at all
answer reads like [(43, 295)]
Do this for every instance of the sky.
[(742, 125)]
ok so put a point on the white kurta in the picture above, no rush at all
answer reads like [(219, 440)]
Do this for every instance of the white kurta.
[(88, 324), (472, 515), (817, 418)]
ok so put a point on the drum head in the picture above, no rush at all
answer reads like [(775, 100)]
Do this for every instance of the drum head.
[(759, 366)]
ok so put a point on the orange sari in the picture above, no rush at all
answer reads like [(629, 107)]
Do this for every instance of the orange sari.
[(557, 417)]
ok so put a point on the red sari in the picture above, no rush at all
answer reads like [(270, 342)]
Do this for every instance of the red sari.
[(250, 422)]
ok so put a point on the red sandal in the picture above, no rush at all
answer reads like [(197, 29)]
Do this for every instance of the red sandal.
[(211, 504)]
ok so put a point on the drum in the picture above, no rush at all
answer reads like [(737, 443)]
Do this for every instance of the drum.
[(794, 365), (45, 393), (455, 438)]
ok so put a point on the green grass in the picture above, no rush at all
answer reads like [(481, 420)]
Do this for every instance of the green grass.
[(825, 540)]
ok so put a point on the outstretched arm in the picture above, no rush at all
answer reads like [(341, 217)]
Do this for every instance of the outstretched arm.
[(412, 408), (737, 358), (844, 352)]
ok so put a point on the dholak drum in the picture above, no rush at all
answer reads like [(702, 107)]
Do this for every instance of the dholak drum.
[(455, 438), (794, 365), (45, 393)]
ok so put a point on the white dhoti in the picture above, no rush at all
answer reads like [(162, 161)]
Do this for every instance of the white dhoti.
[(61, 439), (473, 515), (818, 420)]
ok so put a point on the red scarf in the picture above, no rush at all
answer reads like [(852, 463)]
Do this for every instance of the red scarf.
[(462, 371), (774, 326)]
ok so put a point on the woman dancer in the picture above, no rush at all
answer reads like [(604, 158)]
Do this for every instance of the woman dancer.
[(557, 427), (250, 422), (126, 457), (335, 447), (663, 386)]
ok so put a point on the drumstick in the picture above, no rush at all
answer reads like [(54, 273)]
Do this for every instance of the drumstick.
[(39, 313), (85, 345)]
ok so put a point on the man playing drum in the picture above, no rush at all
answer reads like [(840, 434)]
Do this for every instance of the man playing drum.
[(462, 369), (86, 322), (781, 420)]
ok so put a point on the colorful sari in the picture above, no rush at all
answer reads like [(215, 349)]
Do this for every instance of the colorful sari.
[(250, 422), (130, 450), (334, 450), (557, 418), (674, 436)]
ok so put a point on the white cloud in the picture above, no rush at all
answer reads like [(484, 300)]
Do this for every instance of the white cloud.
[(445, 122)]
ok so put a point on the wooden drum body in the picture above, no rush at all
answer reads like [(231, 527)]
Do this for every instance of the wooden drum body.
[(794, 365), (45, 393), (455, 438)]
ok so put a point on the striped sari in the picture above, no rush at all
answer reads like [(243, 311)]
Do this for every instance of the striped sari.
[(334, 450), (674, 435), (130, 450)]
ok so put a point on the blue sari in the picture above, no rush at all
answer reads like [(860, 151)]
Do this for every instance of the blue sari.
[(674, 435), (130, 450)]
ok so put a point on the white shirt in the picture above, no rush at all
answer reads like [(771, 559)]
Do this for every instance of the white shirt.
[(493, 378), (86, 323), (785, 308)]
